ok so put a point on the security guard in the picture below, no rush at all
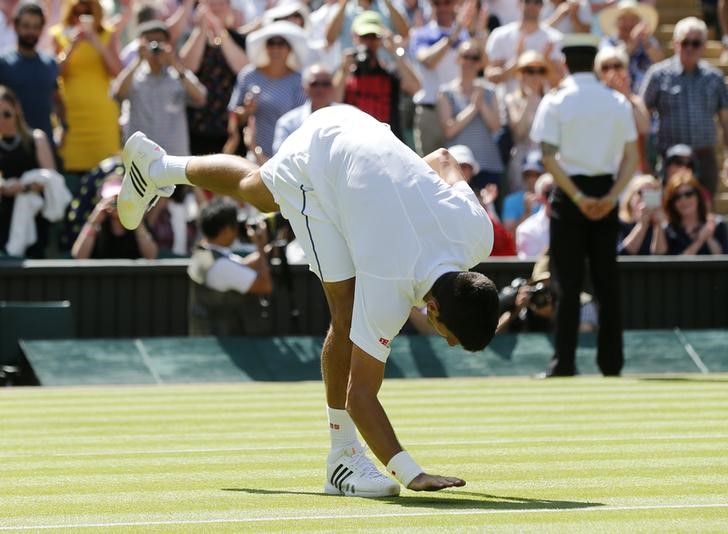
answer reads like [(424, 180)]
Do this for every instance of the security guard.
[(588, 139)]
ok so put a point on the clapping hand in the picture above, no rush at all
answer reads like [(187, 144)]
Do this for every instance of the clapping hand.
[(707, 230)]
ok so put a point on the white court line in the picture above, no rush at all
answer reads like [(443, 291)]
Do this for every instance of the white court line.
[(691, 351), (147, 361), (669, 437), (369, 517)]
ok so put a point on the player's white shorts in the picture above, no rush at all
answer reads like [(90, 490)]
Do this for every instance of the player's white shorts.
[(326, 250)]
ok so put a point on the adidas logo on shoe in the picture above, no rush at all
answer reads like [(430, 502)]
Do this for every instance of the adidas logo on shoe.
[(353, 474)]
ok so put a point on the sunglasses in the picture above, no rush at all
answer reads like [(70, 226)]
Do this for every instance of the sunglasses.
[(439, 3), (471, 57), (320, 83), (7, 114), (534, 70), (276, 41), (612, 66), (684, 194), (369, 36), (533, 2), (692, 43)]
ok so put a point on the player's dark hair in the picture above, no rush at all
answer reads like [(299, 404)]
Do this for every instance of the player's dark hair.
[(31, 8), (468, 307), (580, 58), (217, 215)]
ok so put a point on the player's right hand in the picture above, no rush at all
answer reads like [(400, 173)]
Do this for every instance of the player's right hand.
[(425, 482)]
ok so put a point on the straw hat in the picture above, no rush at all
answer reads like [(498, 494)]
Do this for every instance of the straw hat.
[(530, 58), (294, 35), (609, 16)]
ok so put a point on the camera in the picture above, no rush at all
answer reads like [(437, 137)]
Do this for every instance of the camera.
[(365, 59), (539, 295), (652, 198), (154, 47)]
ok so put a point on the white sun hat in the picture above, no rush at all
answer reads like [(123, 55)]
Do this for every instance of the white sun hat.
[(294, 35)]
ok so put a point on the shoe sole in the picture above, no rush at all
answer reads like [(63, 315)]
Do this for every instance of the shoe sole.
[(329, 489), (128, 207)]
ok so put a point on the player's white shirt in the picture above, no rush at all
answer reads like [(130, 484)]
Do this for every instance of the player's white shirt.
[(401, 225)]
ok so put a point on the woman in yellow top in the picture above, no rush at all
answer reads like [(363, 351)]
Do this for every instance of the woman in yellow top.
[(88, 59)]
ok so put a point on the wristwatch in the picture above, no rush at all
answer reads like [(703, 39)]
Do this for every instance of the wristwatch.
[(399, 52)]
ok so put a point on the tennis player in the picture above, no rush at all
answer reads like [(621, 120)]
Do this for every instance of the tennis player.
[(384, 230)]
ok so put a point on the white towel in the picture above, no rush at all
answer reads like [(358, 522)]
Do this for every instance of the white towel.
[(22, 223), (54, 202), (56, 195)]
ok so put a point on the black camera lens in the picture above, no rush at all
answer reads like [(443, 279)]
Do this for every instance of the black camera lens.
[(539, 296), (154, 47)]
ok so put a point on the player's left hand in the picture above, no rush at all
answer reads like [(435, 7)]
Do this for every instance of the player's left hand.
[(425, 482)]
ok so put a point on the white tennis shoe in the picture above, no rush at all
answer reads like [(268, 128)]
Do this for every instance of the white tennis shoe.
[(138, 190), (353, 474)]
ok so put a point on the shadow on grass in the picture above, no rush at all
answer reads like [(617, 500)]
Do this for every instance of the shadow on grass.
[(451, 499), (684, 379)]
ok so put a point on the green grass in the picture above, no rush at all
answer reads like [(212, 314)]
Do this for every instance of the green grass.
[(562, 455)]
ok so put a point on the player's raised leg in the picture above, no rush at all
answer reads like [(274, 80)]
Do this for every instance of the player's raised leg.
[(150, 172)]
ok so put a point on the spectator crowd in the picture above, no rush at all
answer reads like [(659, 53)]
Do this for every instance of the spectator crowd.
[(77, 77)]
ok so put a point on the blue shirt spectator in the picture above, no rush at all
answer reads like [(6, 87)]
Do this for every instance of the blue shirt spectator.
[(31, 74)]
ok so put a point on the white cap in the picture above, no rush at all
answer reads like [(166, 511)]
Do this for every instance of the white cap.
[(463, 154)]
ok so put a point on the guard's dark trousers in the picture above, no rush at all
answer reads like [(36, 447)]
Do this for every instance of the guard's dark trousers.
[(574, 239)]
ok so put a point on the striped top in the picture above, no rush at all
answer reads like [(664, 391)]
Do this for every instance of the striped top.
[(277, 96), (476, 135)]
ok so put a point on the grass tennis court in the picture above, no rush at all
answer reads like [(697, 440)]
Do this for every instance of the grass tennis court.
[(637, 454)]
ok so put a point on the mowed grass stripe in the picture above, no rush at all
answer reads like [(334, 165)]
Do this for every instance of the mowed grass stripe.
[(263, 392), (599, 519), (592, 452), (648, 460), (191, 410), (485, 415)]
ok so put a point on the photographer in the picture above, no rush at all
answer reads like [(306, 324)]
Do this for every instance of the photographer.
[(158, 89), (220, 279), (528, 305), (365, 82), (103, 236)]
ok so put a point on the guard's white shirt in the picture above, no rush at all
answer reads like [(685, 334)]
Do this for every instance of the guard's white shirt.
[(402, 225), (588, 122), (229, 273)]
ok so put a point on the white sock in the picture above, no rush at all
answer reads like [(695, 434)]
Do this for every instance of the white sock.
[(342, 431), (170, 170)]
